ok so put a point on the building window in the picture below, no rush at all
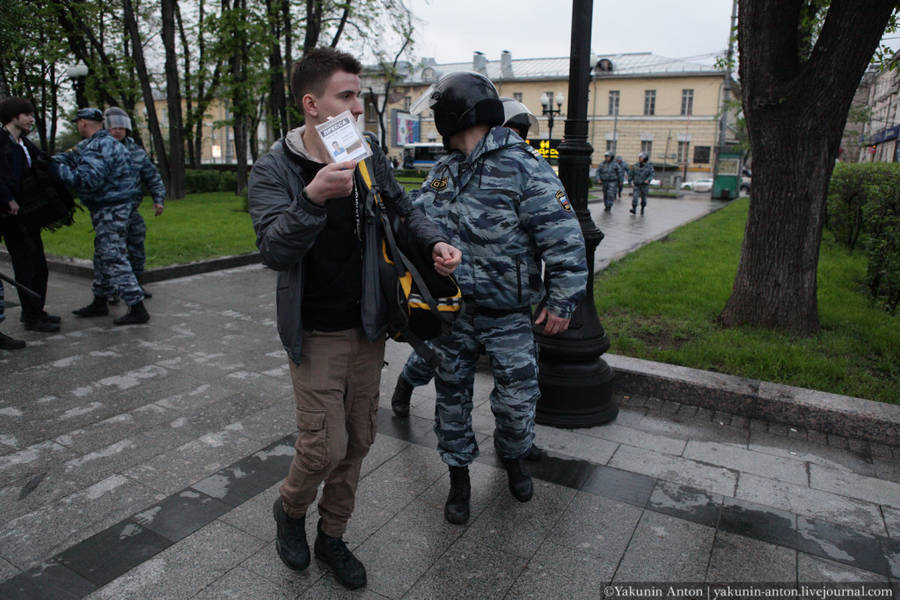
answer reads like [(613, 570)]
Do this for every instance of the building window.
[(371, 109), (687, 102), (613, 102), (649, 102), (407, 102), (611, 146), (683, 149), (517, 96), (647, 148)]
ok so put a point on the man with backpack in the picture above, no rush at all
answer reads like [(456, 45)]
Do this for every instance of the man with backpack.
[(311, 217), (506, 209)]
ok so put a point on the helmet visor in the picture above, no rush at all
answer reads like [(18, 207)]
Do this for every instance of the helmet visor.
[(113, 121), (512, 108), (427, 100)]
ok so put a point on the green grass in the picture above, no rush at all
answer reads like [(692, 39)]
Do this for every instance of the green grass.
[(660, 303), (199, 227)]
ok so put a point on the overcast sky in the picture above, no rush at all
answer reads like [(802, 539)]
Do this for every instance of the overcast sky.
[(451, 30)]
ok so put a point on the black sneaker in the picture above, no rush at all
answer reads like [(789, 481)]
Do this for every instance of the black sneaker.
[(456, 510), (400, 400), (335, 553), (8, 343), (290, 540)]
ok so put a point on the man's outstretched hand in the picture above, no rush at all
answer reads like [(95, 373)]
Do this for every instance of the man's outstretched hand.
[(446, 258)]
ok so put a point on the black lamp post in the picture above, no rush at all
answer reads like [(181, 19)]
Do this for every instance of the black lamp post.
[(77, 73), (548, 111), (576, 384)]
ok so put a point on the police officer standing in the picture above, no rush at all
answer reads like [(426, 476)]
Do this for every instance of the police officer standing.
[(608, 175), (641, 174), (501, 204), (100, 171), (118, 123)]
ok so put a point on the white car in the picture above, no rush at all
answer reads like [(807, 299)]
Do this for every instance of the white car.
[(698, 185)]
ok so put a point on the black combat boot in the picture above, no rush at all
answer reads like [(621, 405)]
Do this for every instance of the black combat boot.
[(136, 315), (97, 308), (520, 485), (535, 453), (456, 510), (290, 540), (400, 400), (346, 567), (147, 295), (8, 343)]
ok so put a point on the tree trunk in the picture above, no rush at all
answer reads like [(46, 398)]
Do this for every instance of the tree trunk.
[(188, 127), (796, 110), (240, 111), (277, 104), (175, 185), (141, 67)]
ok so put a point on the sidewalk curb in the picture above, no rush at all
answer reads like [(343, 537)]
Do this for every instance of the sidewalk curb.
[(846, 416)]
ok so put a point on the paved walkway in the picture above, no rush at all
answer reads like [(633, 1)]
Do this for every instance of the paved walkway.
[(141, 462)]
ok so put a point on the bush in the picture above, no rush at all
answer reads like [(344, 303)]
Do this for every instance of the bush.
[(864, 206), (202, 181)]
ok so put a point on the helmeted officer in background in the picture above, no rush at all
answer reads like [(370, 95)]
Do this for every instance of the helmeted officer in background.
[(641, 174), (417, 372), (101, 173), (118, 123), (503, 206), (608, 174)]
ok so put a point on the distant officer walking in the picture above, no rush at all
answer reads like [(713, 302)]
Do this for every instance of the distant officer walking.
[(100, 171), (641, 175), (118, 123), (505, 208), (608, 175), (623, 169)]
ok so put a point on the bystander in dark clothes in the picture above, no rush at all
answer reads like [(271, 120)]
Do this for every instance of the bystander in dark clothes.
[(18, 160)]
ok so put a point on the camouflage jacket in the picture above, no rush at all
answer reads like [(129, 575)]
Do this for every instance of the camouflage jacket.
[(641, 174), (609, 171), (149, 174), (506, 209), (100, 171)]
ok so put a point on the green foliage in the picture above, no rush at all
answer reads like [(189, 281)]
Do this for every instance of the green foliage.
[(198, 181), (661, 303), (198, 227), (864, 207)]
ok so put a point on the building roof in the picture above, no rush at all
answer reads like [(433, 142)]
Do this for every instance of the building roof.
[(634, 64)]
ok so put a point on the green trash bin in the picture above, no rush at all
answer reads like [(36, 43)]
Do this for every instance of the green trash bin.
[(727, 181)]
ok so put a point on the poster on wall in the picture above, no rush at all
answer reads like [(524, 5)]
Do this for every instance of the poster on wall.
[(406, 128)]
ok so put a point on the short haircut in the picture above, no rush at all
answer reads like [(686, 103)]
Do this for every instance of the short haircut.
[(12, 107), (312, 71)]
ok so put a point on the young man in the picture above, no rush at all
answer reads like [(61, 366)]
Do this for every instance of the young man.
[(100, 171), (507, 211), (118, 123), (26, 249), (312, 226)]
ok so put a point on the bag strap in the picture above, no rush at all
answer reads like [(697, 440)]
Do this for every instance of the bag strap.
[(399, 257)]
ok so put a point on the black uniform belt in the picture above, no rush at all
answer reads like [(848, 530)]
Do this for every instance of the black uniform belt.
[(485, 311)]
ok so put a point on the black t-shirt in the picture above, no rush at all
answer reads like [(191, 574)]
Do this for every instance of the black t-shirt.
[(332, 268)]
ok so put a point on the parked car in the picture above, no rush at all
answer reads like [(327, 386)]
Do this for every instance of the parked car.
[(698, 185), (655, 183)]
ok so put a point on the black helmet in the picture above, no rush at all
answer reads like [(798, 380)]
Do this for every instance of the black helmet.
[(459, 101), (518, 116)]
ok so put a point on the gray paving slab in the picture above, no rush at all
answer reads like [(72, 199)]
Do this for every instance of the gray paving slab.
[(650, 555), (595, 526), (31, 461), (856, 514), (489, 573), (406, 475), (327, 588), (574, 444), (186, 568), (739, 558), (266, 564), (255, 515), (877, 491), (692, 428), (809, 451), (7, 570), (622, 434), (241, 584), (816, 569), (747, 461), (563, 572), (891, 521), (713, 478)]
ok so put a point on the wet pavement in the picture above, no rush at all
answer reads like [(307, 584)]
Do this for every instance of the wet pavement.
[(141, 462)]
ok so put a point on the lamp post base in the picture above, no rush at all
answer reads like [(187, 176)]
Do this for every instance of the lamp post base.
[(575, 394)]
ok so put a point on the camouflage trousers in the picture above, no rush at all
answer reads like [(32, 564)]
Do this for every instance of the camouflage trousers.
[(135, 235), (509, 343), (610, 191), (2, 304), (112, 271), (417, 371), (640, 189)]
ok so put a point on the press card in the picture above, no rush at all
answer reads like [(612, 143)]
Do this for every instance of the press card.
[(342, 139)]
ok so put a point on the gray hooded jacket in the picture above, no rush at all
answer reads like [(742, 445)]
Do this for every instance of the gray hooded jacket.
[(287, 225)]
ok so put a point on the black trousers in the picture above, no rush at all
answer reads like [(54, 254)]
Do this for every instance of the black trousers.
[(26, 251)]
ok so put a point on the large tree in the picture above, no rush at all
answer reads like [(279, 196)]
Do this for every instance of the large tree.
[(800, 63)]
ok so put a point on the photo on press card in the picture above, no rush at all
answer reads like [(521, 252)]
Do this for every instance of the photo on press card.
[(342, 139)]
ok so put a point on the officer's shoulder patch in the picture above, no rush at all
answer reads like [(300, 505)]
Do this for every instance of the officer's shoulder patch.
[(534, 151), (438, 184), (563, 200)]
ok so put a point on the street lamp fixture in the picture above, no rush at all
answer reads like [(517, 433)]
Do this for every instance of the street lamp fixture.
[(77, 74), (547, 101)]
